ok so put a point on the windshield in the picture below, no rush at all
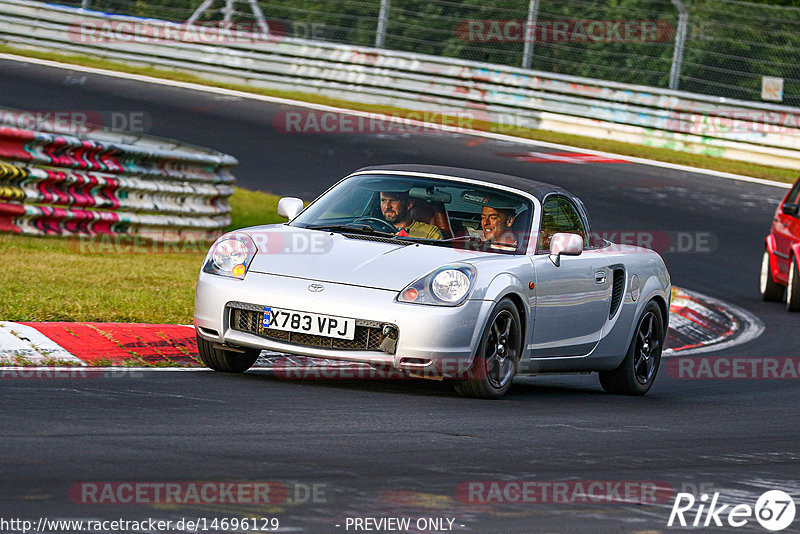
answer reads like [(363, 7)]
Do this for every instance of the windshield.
[(437, 212)]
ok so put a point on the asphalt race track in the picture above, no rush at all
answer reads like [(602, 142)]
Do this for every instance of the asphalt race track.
[(377, 449)]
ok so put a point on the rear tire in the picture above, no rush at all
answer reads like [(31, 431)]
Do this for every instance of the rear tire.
[(226, 361), (770, 290), (495, 363), (793, 288), (637, 372)]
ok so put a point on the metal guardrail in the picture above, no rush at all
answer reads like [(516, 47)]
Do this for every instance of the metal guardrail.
[(740, 130), (105, 183)]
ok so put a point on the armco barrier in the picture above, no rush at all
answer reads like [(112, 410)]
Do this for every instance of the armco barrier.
[(111, 183), (754, 132)]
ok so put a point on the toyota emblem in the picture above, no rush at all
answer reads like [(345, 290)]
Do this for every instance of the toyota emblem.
[(316, 288)]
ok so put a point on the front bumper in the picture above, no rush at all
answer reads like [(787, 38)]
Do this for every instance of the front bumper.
[(435, 340)]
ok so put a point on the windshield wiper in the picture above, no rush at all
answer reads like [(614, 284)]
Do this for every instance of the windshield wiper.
[(470, 238), (467, 239), (355, 229)]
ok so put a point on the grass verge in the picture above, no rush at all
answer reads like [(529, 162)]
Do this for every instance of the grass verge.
[(50, 279), (607, 145)]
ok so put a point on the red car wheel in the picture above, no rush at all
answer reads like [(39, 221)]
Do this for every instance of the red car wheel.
[(793, 289)]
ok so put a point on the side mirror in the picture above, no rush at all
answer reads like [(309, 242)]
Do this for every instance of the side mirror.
[(289, 207), (790, 209), (567, 244)]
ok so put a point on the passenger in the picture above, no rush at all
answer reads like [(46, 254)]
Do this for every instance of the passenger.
[(496, 224), (396, 209)]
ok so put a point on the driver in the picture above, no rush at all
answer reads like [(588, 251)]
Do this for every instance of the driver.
[(396, 209), (496, 224)]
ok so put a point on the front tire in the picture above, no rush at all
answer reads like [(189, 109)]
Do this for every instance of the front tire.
[(770, 290), (793, 288), (495, 363), (226, 361), (637, 372)]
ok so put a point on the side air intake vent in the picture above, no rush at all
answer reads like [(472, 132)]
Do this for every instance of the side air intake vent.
[(616, 290)]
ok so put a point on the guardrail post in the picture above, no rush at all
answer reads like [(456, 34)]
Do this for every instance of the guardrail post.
[(680, 39), (228, 11), (383, 20), (85, 4), (530, 34)]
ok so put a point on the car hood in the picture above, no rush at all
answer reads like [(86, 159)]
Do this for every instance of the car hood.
[(322, 256)]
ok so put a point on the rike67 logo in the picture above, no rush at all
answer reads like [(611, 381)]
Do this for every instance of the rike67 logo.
[(774, 510)]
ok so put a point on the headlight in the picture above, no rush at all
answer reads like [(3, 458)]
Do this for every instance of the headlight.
[(446, 286), (230, 256)]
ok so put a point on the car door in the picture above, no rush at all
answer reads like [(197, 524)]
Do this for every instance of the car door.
[(786, 230), (573, 298)]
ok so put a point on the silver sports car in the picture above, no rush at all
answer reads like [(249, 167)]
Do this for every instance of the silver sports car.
[(437, 272)]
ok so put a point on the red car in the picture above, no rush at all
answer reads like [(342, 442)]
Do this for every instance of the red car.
[(779, 271)]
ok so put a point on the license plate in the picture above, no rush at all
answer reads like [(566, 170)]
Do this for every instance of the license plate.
[(308, 323)]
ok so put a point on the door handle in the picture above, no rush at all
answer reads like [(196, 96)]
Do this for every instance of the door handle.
[(600, 277)]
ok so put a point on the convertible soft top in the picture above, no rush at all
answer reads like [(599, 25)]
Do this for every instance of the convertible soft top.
[(537, 189)]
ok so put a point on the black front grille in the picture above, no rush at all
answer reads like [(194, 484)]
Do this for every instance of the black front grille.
[(368, 334), (616, 290)]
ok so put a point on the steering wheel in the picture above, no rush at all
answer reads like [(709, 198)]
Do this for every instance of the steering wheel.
[(379, 225)]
